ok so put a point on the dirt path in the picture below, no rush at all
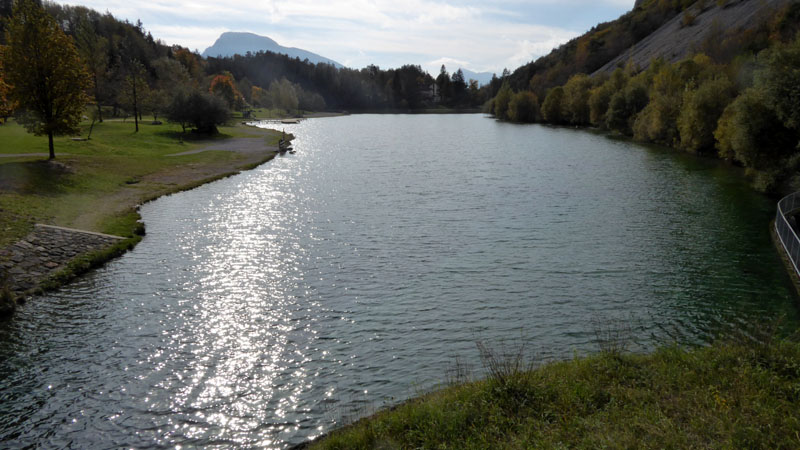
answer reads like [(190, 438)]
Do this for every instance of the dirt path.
[(20, 155), (249, 151), (241, 145)]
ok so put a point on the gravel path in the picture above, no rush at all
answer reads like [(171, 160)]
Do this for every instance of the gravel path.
[(19, 155), (241, 145)]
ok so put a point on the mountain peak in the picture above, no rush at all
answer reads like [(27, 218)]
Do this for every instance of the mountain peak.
[(232, 43)]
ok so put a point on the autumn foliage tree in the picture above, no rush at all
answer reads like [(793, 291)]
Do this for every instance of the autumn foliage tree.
[(6, 105), (222, 86), (46, 75)]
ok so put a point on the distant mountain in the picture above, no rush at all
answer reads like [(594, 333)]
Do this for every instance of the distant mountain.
[(233, 43), (483, 78)]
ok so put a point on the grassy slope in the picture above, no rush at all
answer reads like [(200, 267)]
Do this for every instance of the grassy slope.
[(725, 396), (95, 184)]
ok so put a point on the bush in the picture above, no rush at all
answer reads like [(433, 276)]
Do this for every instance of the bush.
[(687, 20), (202, 111), (523, 107)]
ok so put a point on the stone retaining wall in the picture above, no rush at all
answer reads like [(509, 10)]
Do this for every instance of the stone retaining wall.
[(44, 251)]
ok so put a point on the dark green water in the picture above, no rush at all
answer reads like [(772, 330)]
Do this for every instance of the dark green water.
[(261, 309)]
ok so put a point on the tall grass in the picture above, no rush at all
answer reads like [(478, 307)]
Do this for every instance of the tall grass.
[(742, 392)]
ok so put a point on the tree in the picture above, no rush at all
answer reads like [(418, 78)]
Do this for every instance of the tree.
[(523, 107), (284, 95), (201, 110), (45, 72), (657, 121), (171, 77), (261, 97), (552, 107), (780, 81), (458, 86), (750, 132), (501, 102), (190, 62), (625, 105), (701, 110), (223, 86), (576, 99), (443, 84), (6, 104), (94, 52), (134, 90), (600, 97)]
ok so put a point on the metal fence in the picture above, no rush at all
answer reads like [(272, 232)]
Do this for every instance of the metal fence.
[(787, 233)]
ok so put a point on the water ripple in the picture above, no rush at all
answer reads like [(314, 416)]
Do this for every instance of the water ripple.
[(267, 308)]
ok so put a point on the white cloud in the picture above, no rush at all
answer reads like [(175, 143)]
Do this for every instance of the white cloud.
[(451, 62), (187, 36), (482, 36)]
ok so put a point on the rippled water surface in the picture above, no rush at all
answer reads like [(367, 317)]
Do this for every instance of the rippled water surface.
[(268, 307)]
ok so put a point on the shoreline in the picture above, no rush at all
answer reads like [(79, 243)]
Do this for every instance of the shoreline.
[(684, 397), (123, 205)]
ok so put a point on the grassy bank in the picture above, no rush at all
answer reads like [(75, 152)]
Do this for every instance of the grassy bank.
[(724, 396), (96, 184)]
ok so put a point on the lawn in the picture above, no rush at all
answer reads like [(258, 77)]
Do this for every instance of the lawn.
[(96, 184)]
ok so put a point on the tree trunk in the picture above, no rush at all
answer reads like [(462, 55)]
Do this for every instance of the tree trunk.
[(135, 107), (97, 100), (50, 142)]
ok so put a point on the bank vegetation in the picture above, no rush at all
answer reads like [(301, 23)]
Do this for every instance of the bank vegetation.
[(739, 100), (734, 394)]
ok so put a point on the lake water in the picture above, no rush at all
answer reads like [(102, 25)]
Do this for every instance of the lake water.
[(269, 307)]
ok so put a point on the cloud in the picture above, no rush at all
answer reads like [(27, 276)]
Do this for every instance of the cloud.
[(452, 62), (190, 37), (489, 35)]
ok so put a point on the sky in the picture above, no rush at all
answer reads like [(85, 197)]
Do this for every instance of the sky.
[(482, 36)]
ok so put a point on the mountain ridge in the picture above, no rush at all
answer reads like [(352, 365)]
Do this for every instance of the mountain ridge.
[(232, 43)]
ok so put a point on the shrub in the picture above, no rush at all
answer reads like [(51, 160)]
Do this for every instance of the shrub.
[(687, 20)]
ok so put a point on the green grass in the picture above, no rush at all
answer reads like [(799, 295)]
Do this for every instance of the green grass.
[(724, 396), (83, 187)]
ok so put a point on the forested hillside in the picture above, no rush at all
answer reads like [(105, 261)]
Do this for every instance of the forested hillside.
[(134, 74), (732, 92)]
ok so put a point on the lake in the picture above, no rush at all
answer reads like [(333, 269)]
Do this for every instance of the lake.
[(269, 307)]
